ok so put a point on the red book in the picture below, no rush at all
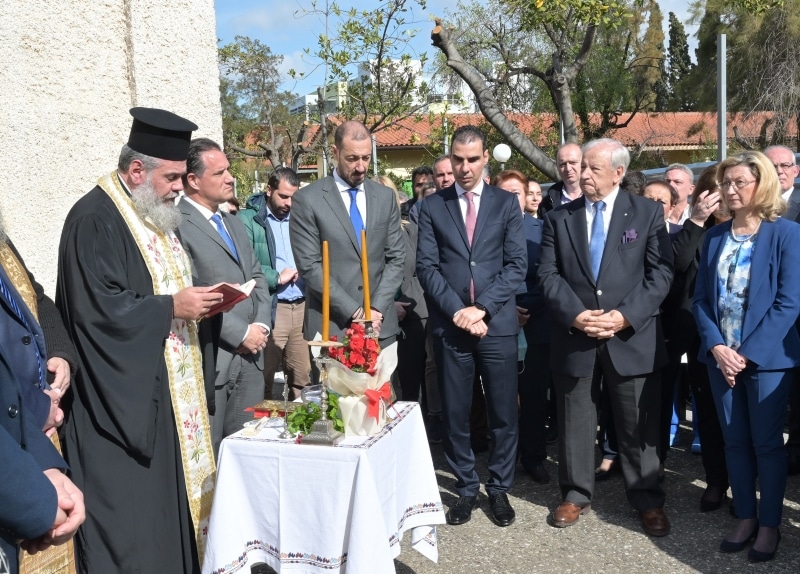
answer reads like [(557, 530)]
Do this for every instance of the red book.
[(231, 295)]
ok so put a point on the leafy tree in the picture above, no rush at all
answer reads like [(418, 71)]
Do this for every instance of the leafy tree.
[(370, 54), (256, 120), (578, 54), (762, 39), (679, 66)]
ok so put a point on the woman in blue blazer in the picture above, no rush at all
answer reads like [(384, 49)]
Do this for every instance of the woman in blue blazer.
[(746, 302)]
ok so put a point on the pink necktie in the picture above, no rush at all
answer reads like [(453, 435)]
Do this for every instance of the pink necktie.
[(470, 220), (471, 216)]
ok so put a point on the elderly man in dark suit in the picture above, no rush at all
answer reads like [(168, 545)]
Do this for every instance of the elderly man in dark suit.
[(221, 252), (335, 209), (605, 268), (471, 258)]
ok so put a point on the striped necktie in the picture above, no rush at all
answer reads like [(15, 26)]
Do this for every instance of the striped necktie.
[(18, 312)]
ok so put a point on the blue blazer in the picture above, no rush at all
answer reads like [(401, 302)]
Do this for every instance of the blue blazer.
[(28, 500), (497, 260), (769, 337), (19, 343)]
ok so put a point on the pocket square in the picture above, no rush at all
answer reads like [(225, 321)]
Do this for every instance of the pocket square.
[(629, 236)]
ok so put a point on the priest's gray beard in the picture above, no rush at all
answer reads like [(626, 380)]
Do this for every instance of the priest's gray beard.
[(3, 237), (165, 216)]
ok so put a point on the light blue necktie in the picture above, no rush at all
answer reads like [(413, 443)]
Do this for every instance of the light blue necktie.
[(598, 240), (18, 312), (355, 215), (217, 219)]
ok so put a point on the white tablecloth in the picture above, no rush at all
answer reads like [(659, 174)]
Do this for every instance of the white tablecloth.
[(307, 508)]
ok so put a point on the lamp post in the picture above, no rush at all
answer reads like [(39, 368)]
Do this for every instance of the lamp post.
[(501, 154)]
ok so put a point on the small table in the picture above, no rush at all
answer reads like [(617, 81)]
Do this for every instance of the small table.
[(308, 508)]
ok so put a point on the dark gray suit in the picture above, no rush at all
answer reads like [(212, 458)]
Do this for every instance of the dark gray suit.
[(238, 382), (319, 214), (634, 278)]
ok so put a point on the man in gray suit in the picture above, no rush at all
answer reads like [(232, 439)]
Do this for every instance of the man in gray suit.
[(221, 252), (335, 209)]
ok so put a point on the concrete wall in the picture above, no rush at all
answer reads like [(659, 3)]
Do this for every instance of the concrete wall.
[(71, 71)]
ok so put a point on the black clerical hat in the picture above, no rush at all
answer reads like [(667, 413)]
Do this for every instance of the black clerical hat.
[(161, 134)]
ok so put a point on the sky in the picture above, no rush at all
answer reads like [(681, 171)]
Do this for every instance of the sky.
[(289, 26)]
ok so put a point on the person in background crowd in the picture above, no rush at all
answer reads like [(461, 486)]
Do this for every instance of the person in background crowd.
[(666, 195), (681, 178), (412, 316), (746, 303), (682, 336), (268, 231), (568, 163), (533, 197), (421, 180), (634, 182), (232, 206), (534, 370)]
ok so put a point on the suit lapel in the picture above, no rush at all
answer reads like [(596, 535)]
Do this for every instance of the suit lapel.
[(330, 191), (576, 228), (487, 202), (453, 206), (620, 218), (196, 218), (715, 245), (763, 252)]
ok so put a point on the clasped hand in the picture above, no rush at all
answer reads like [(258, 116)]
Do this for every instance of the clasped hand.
[(70, 514), (599, 324), (471, 320), (255, 341), (729, 362)]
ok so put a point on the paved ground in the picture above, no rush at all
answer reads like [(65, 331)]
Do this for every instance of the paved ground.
[(609, 539)]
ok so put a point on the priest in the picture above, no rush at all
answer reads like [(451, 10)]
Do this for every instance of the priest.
[(136, 435)]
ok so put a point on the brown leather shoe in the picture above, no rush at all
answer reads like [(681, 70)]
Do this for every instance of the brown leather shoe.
[(655, 522), (568, 513)]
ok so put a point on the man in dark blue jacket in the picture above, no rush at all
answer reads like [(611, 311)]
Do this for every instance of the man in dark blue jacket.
[(39, 505)]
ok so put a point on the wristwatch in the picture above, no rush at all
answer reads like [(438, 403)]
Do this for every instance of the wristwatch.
[(480, 307)]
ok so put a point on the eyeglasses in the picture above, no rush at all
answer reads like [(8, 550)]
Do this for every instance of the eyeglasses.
[(783, 166), (738, 184)]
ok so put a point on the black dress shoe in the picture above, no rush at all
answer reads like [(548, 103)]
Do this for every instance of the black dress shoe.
[(501, 512), (712, 498), (758, 556), (461, 512), (538, 473)]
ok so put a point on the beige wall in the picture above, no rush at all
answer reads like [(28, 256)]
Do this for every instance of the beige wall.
[(71, 70)]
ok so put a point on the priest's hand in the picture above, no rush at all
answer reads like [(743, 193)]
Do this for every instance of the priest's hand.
[(70, 513), (56, 417), (193, 303), (254, 341)]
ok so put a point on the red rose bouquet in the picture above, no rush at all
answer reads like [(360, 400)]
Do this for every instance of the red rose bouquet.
[(360, 375), (359, 353)]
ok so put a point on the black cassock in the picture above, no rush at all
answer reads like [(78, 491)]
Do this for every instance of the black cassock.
[(120, 438)]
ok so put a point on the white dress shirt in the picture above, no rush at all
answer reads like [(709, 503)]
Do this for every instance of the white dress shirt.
[(609, 200)]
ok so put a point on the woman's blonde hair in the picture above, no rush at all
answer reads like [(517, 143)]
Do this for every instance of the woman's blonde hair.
[(767, 200)]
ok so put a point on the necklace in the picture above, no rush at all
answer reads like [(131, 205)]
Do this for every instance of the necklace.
[(744, 238)]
